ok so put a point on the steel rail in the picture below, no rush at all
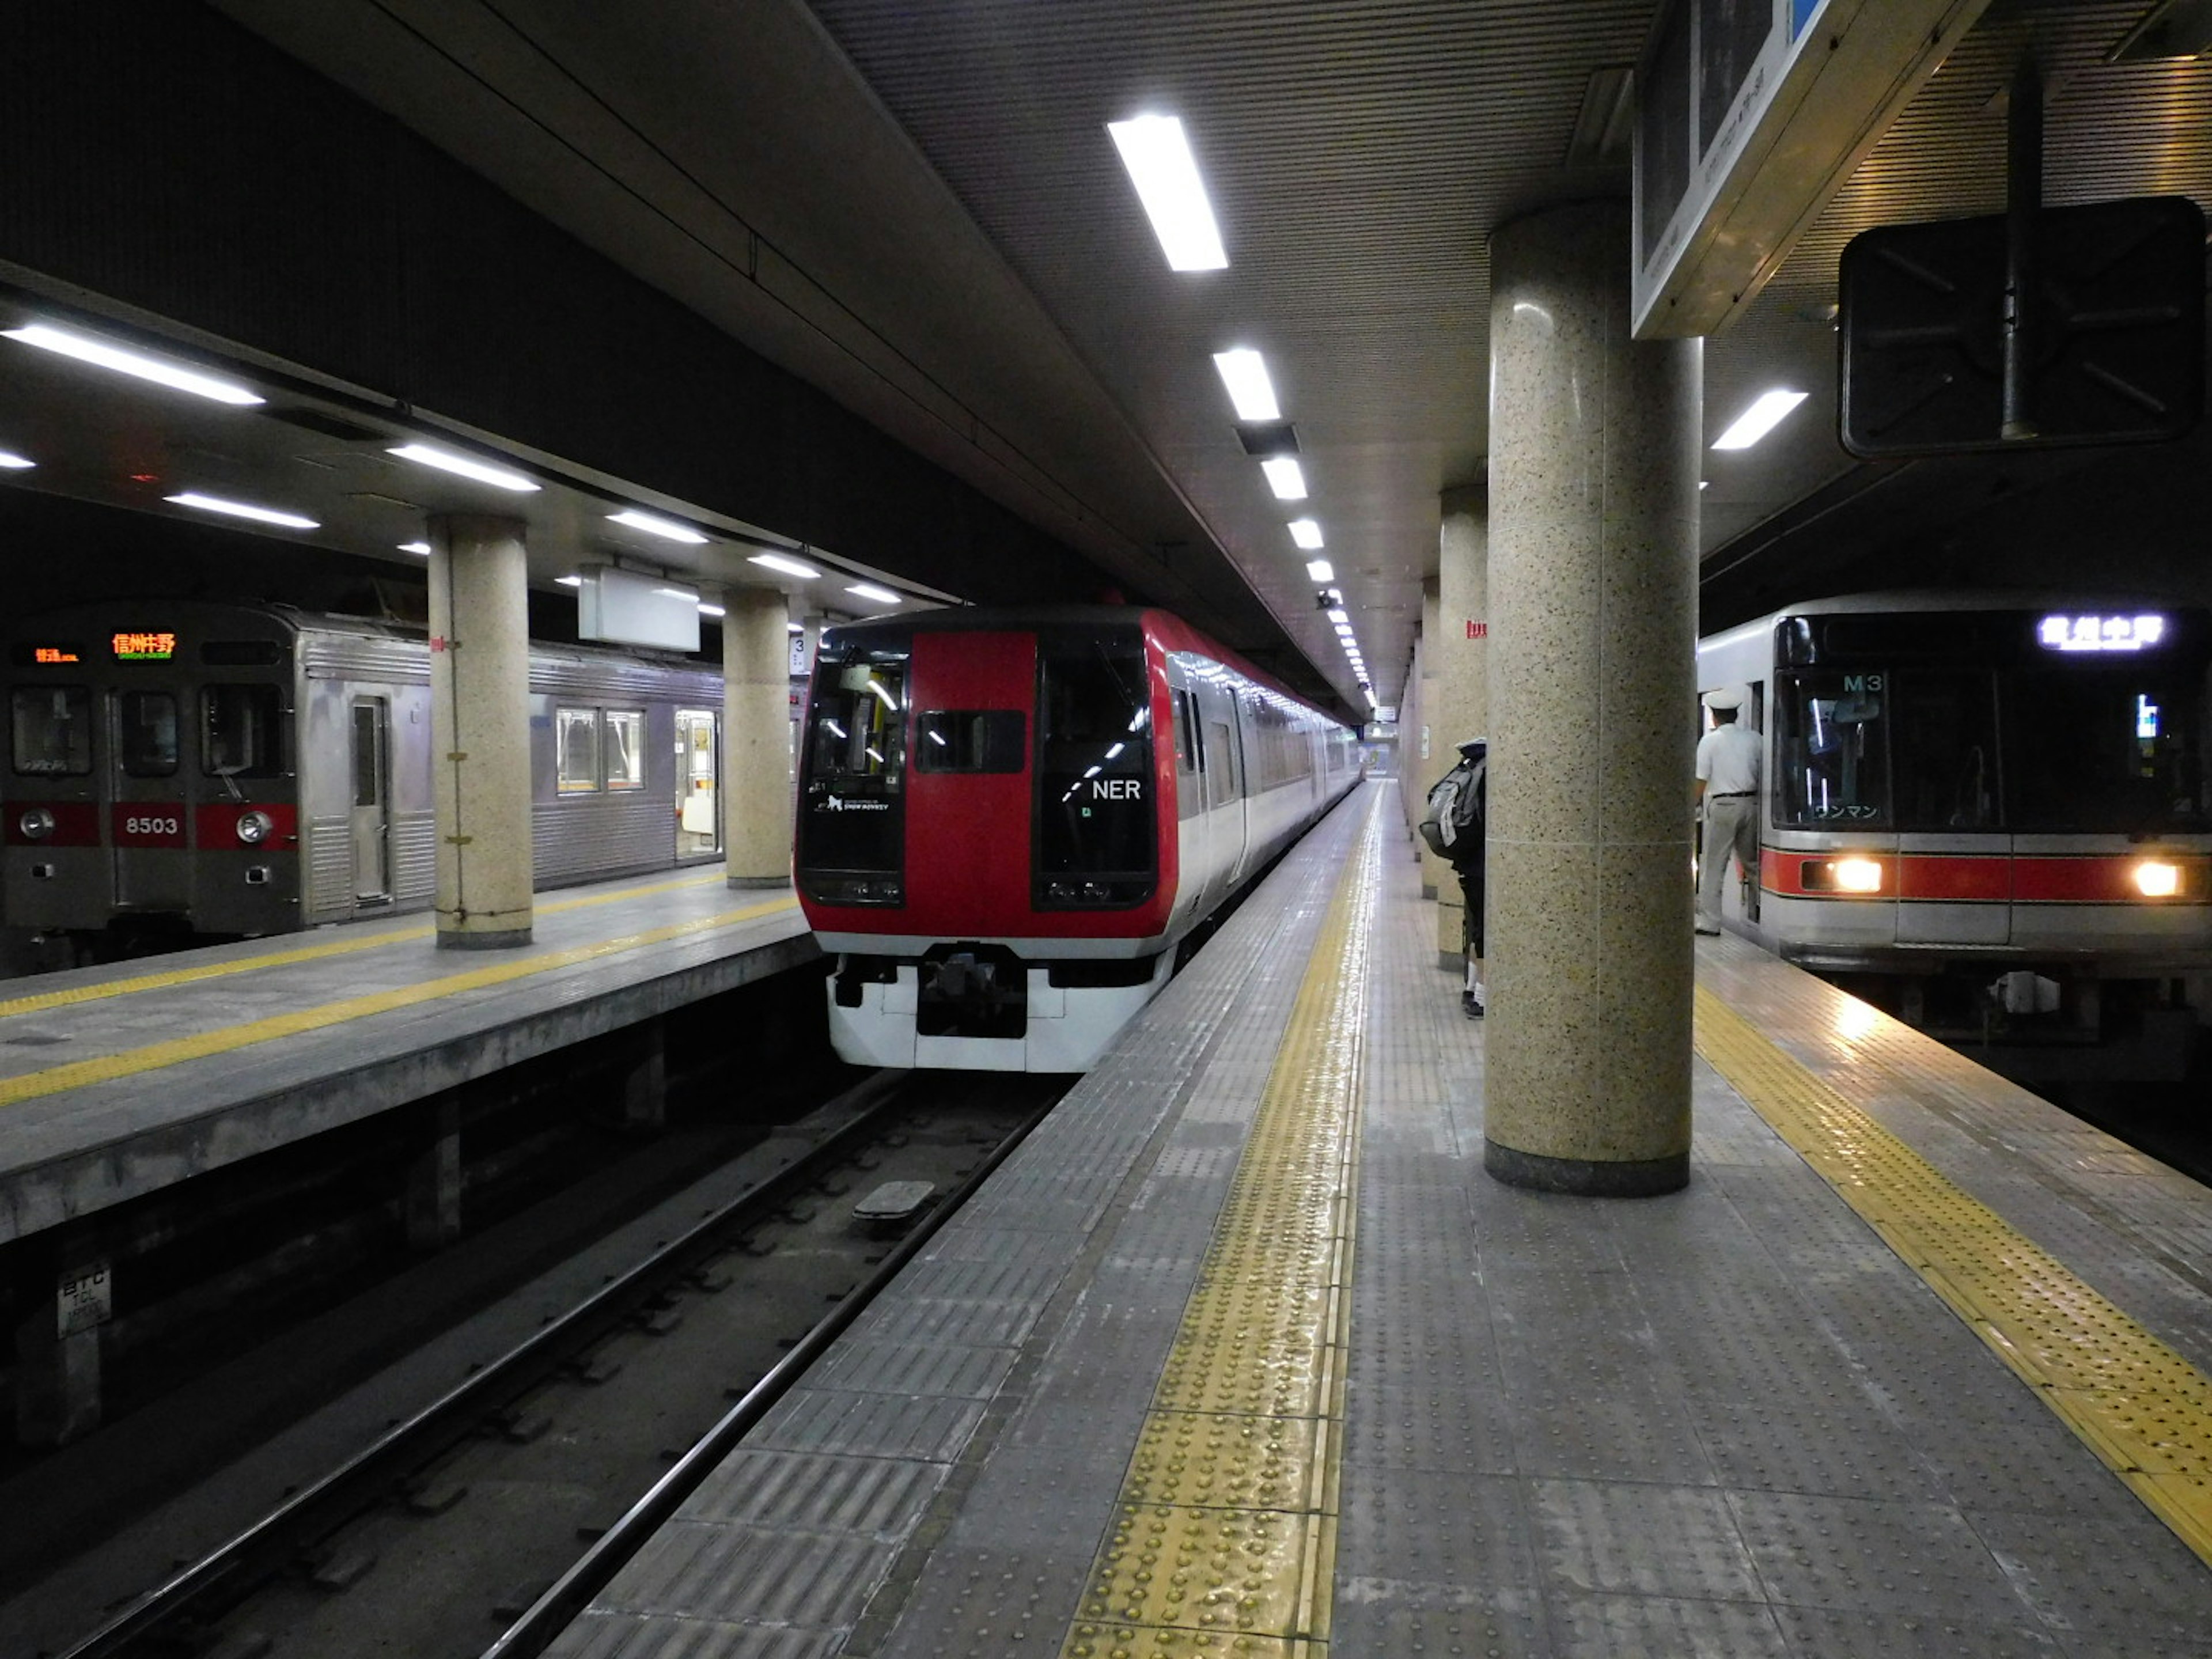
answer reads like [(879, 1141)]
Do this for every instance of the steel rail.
[(570, 1593), (201, 1590)]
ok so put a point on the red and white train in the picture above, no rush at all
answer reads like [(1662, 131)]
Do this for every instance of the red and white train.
[(1009, 819), (1981, 804)]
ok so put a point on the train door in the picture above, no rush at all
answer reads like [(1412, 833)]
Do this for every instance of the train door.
[(146, 829), (698, 806), (371, 815)]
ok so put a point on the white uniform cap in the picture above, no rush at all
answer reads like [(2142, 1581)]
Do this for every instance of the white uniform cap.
[(1727, 697)]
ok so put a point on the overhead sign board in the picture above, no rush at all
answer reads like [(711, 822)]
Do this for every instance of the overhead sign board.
[(2117, 314), (1751, 114)]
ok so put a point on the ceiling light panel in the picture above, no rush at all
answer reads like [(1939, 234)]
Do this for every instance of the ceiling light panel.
[(13, 462), (1764, 414), (1306, 532), (777, 562), (1285, 477), (445, 460), (1320, 570), (1244, 373), (870, 590), (1156, 152), (229, 509), (86, 349), (667, 529)]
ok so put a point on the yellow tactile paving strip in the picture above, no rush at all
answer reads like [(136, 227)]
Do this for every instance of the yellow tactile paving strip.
[(1224, 1540), (202, 1045), (367, 941), (2142, 1407)]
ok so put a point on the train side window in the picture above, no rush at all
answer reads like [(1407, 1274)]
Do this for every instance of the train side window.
[(149, 720), (240, 728), (971, 740), (51, 731), (623, 748), (576, 751), (1223, 787), (1186, 733)]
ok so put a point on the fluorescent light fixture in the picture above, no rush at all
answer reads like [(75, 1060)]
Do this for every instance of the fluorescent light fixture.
[(788, 566), (1339, 616), (242, 510), (423, 548), (14, 462), (666, 528), (870, 590), (1157, 156), (794, 627), (161, 371), (705, 610), (569, 581), (1244, 372), (445, 460), (1285, 477), (1306, 532), (1320, 570), (1761, 418)]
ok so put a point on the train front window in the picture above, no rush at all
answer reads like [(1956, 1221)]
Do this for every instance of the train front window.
[(1831, 749), (238, 732), (852, 821), (51, 731), (1945, 758), (1096, 825), (2114, 747), (148, 734)]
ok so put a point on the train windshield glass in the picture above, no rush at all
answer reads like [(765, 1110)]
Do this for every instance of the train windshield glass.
[(1096, 833), (1831, 749), (2113, 747), (238, 728), (51, 731), (148, 720), (853, 773)]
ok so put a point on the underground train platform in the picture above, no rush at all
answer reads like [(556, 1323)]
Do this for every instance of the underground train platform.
[(1242, 1352)]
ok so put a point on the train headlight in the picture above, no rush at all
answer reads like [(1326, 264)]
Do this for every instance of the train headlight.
[(2156, 879), (36, 823), (253, 827), (1856, 875)]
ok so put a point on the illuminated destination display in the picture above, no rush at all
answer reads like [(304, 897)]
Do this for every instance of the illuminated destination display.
[(53, 653), (143, 646), (2099, 633)]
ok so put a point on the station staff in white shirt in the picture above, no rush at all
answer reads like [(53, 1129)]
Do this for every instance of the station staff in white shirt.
[(1727, 783)]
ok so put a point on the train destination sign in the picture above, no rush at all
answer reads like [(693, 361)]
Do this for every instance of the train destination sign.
[(46, 654), (2093, 633), (130, 646)]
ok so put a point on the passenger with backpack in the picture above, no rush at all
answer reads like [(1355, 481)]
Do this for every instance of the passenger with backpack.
[(1453, 827)]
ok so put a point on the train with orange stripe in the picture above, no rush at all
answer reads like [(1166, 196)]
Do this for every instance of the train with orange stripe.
[(1989, 814), (1012, 823)]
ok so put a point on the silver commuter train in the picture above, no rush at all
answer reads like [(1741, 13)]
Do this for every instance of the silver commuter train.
[(187, 767), (1987, 808)]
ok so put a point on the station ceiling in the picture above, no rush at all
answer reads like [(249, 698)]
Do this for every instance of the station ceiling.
[(918, 209)]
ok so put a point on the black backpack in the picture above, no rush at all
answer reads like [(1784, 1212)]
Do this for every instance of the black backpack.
[(1455, 806)]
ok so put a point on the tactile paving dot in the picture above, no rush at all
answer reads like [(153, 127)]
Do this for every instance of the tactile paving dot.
[(1127, 1642), (1224, 1462), (1216, 1570)]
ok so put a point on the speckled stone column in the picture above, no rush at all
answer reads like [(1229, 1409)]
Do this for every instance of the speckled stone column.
[(1425, 746), (756, 737), (480, 716), (1593, 582), (1462, 653)]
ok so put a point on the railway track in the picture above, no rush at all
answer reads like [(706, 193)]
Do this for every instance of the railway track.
[(467, 1514)]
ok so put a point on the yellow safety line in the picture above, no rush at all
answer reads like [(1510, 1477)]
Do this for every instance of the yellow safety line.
[(1224, 1538), (120, 988), (106, 1068), (2142, 1407)]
